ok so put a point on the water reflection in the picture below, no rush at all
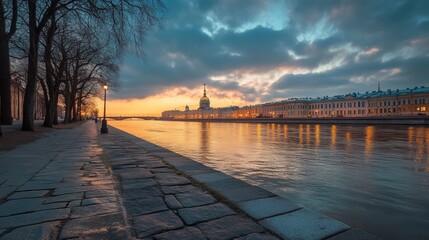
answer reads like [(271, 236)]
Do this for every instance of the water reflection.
[(317, 130), (371, 177), (333, 136), (369, 136)]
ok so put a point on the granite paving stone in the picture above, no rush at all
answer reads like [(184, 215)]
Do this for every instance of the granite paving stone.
[(137, 183), (68, 190), (187, 233), (354, 234), (64, 198), (172, 202), (210, 177), (26, 205), (138, 193), (204, 213), (303, 224), (229, 227), (98, 200), (28, 194), (170, 179), (75, 203), (100, 193), (110, 226), (226, 184), (48, 230), (153, 164), (195, 199), (137, 173), (179, 189), (258, 236), (245, 194), (149, 224), (96, 209), (267, 207), (34, 217), (161, 170), (145, 206)]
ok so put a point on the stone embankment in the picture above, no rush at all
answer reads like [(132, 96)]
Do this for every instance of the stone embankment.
[(78, 184)]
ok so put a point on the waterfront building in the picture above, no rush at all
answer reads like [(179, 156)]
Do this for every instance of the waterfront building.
[(390, 103)]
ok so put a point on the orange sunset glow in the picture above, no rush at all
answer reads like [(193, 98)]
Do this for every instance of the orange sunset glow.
[(175, 98)]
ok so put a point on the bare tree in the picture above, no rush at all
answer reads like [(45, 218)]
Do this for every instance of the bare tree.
[(7, 17), (120, 23)]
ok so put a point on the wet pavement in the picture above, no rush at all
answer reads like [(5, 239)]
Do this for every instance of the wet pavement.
[(78, 184)]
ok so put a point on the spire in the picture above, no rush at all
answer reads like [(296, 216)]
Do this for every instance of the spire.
[(204, 90), (379, 86)]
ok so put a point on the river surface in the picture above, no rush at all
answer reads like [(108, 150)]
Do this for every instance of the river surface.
[(371, 177)]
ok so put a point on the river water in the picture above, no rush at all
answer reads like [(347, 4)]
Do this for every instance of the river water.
[(371, 177)]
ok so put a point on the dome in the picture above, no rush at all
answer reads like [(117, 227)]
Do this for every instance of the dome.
[(204, 100)]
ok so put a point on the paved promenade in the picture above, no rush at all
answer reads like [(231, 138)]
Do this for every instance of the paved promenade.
[(78, 184)]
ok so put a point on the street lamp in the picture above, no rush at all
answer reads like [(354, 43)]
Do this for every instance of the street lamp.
[(104, 121)]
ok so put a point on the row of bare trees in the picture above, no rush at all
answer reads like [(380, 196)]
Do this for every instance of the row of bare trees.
[(69, 48)]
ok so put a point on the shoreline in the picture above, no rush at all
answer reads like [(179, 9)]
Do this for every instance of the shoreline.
[(273, 212), (416, 120)]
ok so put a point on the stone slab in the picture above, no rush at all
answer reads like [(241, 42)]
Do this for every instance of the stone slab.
[(28, 194), (64, 198), (229, 227), (27, 205), (258, 236), (195, 199), (34, 218), (110, 226), (43, 231), (172, 202), (98, 200), (138, 193), (354, 234), (137, 173), (154, 223), (303, 224), (267, 207), (97, 209), (100, 193), (137, 183), (170, 179), (226, 184), (204, 213), (187, 233), (145, 206), (245, 194), (210, 177), (179, 189)]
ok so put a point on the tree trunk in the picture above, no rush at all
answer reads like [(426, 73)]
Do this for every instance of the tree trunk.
[(30, 90), (55, 120), (6, 105)]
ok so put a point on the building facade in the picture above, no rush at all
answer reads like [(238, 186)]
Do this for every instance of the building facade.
[(390, 103)]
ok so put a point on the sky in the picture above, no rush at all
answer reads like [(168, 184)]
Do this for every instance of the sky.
[(257, 51)]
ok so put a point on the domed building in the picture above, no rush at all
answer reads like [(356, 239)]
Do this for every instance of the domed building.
[(204, 101)]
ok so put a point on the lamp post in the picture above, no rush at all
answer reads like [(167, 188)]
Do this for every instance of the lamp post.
[(104, 121)]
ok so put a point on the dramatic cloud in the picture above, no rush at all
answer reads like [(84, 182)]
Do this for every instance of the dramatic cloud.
[(269, 50)]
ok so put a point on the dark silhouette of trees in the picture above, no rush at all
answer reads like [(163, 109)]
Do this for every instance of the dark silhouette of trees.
[(64, 67)]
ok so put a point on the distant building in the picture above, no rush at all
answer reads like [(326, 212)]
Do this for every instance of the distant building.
[(204, 101), (390, 103)]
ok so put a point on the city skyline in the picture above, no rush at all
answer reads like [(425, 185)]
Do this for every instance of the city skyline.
[(266, 51)]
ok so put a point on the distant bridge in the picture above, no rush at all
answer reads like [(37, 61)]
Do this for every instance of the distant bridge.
[(120, 117)]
